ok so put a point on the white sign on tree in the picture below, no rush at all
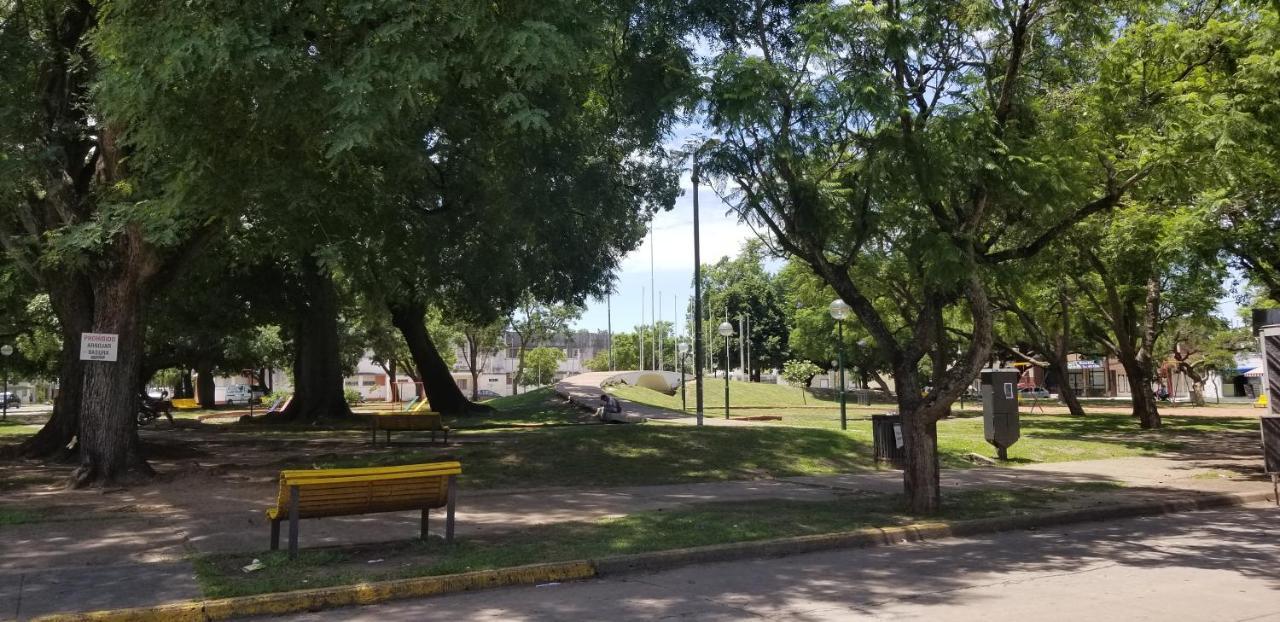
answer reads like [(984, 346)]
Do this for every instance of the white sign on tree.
[(98, 346)]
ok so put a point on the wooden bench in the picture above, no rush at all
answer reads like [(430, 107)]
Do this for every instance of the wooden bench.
[(185, 404), (412, 422), (318, 493)]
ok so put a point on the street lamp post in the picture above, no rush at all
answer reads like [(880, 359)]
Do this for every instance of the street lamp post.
[(698, 345), (726, 331), (839, 310), (682, 350), (6, 350)]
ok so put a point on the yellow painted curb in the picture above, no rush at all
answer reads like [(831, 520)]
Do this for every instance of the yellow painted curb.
[(337, 596)]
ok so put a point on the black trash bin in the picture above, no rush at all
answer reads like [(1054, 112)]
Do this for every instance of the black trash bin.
[(886, 430)]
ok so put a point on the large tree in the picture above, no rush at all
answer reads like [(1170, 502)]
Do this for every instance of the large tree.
[(1145, 269), (942, 138)]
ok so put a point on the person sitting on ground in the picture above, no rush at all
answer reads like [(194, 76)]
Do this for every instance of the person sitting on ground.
[(611, 405)]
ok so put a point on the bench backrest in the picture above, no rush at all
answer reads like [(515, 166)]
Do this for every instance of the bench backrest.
[(415, 421), (408, 406), (185, 404), (340, 492)]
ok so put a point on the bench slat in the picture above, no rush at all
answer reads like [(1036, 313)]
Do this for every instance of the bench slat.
[(427, 466)]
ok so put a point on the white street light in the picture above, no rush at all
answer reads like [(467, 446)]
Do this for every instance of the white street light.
[(840, 310), (726, 331), (6, 350)]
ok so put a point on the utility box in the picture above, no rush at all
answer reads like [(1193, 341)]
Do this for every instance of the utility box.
[(1000, 408)]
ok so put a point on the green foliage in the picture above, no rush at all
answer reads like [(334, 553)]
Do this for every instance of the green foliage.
[(737, 287), (541, 365), (534, 323), (800, 372), (352, 396)]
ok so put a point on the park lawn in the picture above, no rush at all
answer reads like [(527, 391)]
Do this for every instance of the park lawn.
[(621, 455), (745, 394), (706, 524), (14, 428), (540, 407), (541, 451)]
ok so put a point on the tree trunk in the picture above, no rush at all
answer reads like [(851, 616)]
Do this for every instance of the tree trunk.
[(206, 393), (317, 366), (884, 386), (72, 302), (519, 375), (186, 388), (437, 381), (1058, 367), (395, 385), (1144, 404), (109, 445), (920, 441)]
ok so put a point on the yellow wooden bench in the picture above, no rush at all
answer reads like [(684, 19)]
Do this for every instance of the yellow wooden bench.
[(185, 404), (317, 493), (417, 421)]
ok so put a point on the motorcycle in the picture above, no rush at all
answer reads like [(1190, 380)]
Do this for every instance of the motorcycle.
[(152, 408)]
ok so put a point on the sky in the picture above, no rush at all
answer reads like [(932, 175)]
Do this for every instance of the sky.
[(671, 253)]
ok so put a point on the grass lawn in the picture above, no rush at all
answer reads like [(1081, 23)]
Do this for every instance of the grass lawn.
[(619, 455), (540, 407), (745, 394), (220, 575), (19, 517), (14, 428), (528, 442)]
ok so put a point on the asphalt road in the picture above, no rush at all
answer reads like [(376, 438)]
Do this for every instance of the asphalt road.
[(1214, 565)]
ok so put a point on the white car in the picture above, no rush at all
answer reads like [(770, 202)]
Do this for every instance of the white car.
[(1033, 393)]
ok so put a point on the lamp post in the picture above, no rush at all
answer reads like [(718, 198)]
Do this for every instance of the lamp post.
[(726, 331), (866, 391), (698, 345), (839, 310), (6, 350), (682, 350)]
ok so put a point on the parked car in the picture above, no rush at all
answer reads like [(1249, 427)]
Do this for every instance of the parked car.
[(1033, 393), (238, 394), (10, 399), (486, 394)]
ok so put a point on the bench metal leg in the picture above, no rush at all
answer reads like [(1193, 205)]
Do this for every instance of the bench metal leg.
[(293, 522), (373, 427), (448, 519), (388, 438), (446, 436), (275, 534), (433, 437), (426, 513)]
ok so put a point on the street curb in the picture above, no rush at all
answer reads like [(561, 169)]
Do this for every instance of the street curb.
[(383, 591), (337, 596), (884, 536)]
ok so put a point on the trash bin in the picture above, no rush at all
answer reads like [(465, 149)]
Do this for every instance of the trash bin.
[(886, 432), (1000, 408)]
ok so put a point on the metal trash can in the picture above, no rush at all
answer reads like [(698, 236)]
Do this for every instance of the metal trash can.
[(886, 432), (1000, 423)]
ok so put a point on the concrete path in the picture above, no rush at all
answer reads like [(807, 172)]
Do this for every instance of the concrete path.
[(585, 390), (1214, 565)]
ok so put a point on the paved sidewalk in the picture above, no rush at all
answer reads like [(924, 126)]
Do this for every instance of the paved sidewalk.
[(47, 566)]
